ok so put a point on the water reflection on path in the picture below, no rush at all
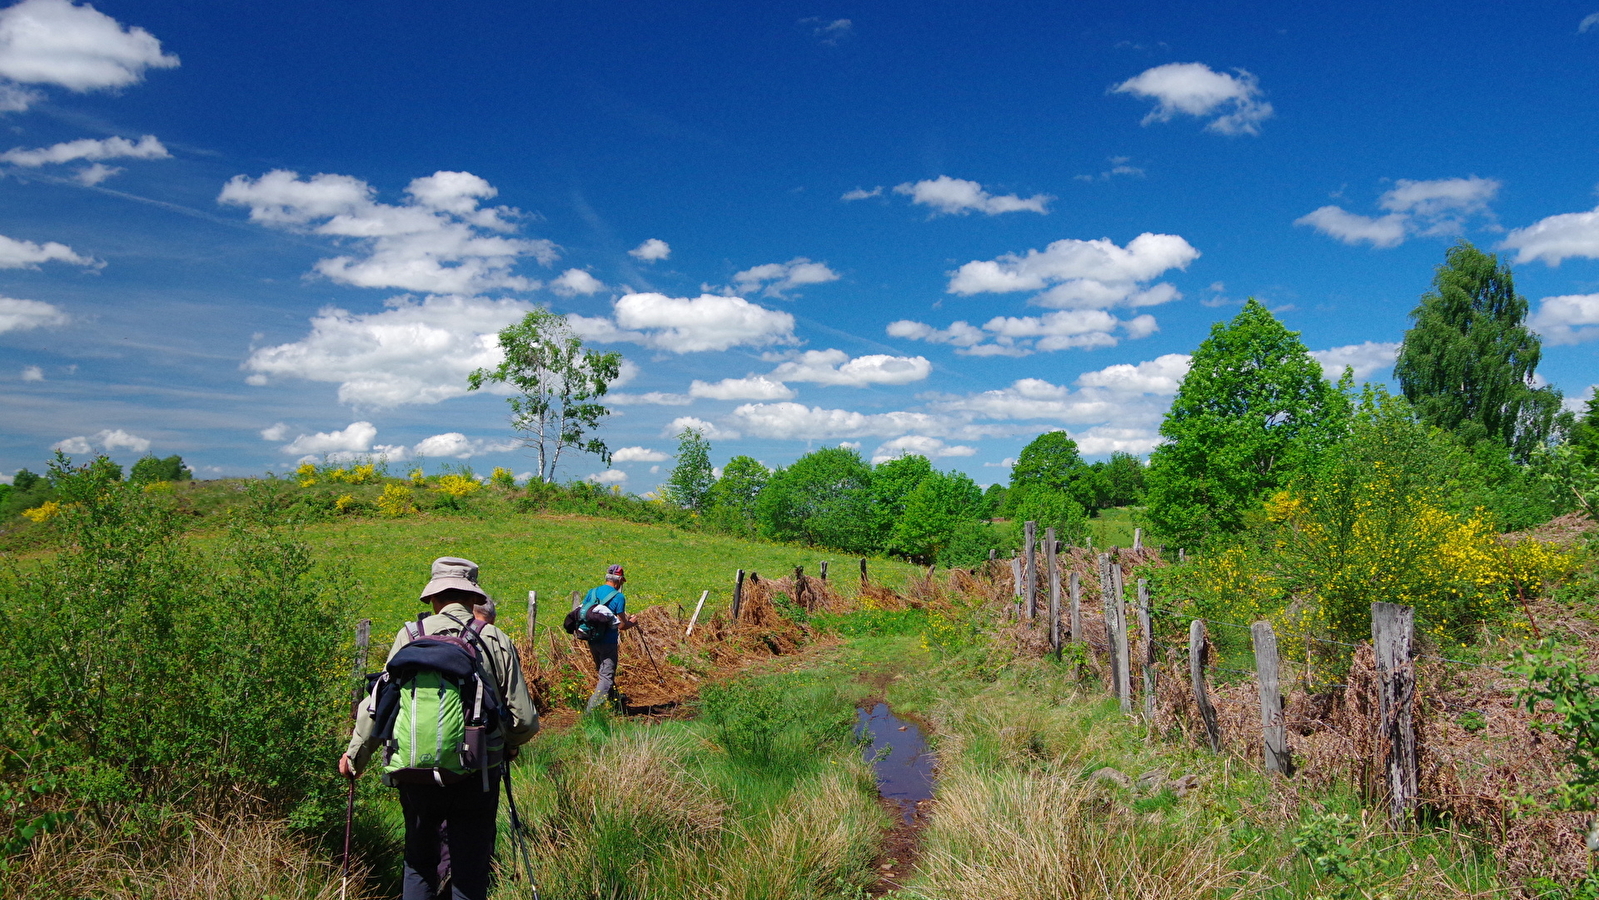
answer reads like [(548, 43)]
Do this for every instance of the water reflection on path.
[(905, 773)]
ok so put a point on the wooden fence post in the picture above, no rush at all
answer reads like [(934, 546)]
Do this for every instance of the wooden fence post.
[(577, 599), (1030, 572), (1147, 626), (823, 567), (1138, 539), (1077, 607), (1273, 730), (992, 552), (738, 592), (800, 587), (363, 640), (1392, 629), (696, 617), (532, 615), (863, 571), (1116, 620), (1016, 576), (1198, 651), (1050, 558)]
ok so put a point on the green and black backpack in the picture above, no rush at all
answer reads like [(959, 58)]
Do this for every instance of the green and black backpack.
[(437, 710)]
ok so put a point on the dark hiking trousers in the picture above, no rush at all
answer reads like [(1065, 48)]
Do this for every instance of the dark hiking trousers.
[(605, 664), (471, 812)]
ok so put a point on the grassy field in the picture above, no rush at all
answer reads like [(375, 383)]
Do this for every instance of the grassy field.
[(555, 555), (1114, 527)]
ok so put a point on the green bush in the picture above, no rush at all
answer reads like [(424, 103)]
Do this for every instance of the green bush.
[(156, 677), (775, 725)]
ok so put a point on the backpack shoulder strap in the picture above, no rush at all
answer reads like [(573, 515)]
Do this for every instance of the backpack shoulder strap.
[(472, 632)]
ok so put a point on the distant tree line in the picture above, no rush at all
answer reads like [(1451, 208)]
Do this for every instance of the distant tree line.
[(29, 489)]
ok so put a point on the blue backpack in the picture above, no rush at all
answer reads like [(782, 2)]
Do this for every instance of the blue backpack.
[(588, 623)]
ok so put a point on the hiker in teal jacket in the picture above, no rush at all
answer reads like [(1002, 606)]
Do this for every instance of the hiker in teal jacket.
[(469, 808), (606, 645)]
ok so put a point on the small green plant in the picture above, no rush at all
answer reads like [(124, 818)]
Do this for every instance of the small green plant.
[(1337, 848), (1557, 678)]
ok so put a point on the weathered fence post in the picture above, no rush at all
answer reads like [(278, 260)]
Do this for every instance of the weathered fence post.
[(863, 571), (1146, 624), (738, 592), (992, 552), (577, 599), (1050, 551), (696, 617), (1138, 539), (1273, 730), (1198, 651), (1124, 671), (800, 586), (1392, 629), (1180, 557), (363, 640), (823, 567), (1016, 576), (532, 615), (1030, 572), (1077, 607)]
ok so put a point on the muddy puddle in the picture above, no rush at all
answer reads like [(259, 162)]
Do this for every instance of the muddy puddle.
[(898, 754)]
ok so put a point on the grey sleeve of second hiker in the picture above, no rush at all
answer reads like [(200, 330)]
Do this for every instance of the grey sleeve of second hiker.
[(361, 745)]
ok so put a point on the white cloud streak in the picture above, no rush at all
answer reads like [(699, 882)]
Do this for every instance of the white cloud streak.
[(835, 367), (15, 254), (775, 279), (1571, 319), (1556, 238), (25, 315), (441, 240), (957, 197), (109, 441), (1195, 89), (1364, 358), (683, 325), (1434, 207), (639, 454), (753, 387), (147, 147)]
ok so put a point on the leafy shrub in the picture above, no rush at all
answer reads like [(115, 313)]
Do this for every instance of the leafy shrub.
[(164, 678), (396, 501), (502, 477)]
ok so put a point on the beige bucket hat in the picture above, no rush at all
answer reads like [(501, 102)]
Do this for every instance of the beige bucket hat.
[(453, 572)]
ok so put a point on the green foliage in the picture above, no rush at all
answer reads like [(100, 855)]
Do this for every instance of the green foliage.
[(1049, 460), (24, 480), (1468, 361), (1050, 508), (969, 544), (934, 514), (690, 483), (779, 725), (1120, 481), (732, 498), (558, 384), (824, 498), (151, 469), (1338, 848), (1252, 411), (1583, 436), (1556, 677), (892, 484), (166, 677), (994, 500)]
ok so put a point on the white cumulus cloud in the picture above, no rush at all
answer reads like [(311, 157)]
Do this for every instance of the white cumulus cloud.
[(15, 254), (440, 240), (109, 441), (1571, 319), (56, 42), (1555, 238), (457, 445), (683, 325), (147, 147), (23, 315), (1441, 206), (1364, 358), (957, 197), (608, 477), (1160, 376), (919, 445), (639, 454), (1082, 329), (32, 373), (711, 431), (649, 398), (411, 352), (835, 367), (573, 282), (774, 279), (1079, 274), (357, 437), (651, 250), (753, 387), (1195, 89)]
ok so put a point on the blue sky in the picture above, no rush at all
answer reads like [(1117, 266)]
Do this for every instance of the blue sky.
[(251, 233)]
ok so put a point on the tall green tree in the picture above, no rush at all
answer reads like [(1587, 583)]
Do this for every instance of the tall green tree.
[(1468, 361), (557, 384), (892, 482), (692, 477), (1583, 437), (824, 498), (1253, 410), (732, 498), (152, 468), (934, 513)]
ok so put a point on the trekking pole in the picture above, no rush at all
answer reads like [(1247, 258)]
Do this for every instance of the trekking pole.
[(349, 822), (517, 829)]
